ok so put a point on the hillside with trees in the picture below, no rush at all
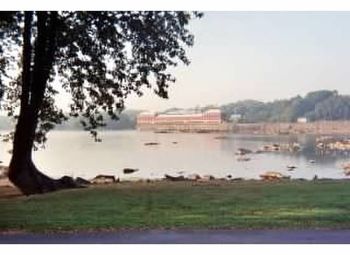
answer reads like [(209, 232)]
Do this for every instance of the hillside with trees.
[(316, 105)]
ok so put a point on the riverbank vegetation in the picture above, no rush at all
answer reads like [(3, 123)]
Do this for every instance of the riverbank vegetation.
[(212, 204), (316, 105)]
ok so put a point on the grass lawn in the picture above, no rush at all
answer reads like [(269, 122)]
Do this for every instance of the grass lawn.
[(246, 204)]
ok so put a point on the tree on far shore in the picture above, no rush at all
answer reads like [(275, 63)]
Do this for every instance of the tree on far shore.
[(98, 58)]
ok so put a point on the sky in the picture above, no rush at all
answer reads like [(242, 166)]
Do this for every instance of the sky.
[(259, 55)]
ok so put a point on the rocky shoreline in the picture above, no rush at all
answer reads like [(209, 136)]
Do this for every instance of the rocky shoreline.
[(285, 128), (8, 190)]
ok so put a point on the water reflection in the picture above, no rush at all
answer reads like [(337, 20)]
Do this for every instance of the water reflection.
[(74, 153)]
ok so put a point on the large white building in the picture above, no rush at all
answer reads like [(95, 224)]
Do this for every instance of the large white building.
[(210, 116)]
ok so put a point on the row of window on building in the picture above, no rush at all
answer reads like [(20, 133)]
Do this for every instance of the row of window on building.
[(210, 116)]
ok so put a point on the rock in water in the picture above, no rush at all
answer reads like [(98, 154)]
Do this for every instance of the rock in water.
[(243, 151), (130, 170), (221, 137), (291, 167), (243, 159), (152, 143)]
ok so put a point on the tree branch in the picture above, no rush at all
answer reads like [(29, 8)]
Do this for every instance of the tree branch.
[(44, 56), (26, 55)]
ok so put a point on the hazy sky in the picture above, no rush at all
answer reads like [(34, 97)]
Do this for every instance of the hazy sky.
[(259, 55)]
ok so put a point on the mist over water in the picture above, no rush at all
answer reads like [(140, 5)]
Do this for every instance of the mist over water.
[(75, 154)]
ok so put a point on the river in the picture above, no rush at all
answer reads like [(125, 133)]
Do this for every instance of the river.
[(74, 153)]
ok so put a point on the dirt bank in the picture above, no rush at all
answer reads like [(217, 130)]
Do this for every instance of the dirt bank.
[(318, 127), (7, 189)]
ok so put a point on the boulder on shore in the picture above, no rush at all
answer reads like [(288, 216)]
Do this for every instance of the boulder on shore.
[(237, 179), (174, 178), (68, 181), (193, 177), (346, 168), (207, 178), (82, 181), (272, 175), (104, 179)]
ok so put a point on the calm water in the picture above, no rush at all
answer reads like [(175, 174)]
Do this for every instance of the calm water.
[(74, 153)]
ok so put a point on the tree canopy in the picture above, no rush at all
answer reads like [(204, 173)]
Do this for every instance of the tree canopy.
[(98, 58)]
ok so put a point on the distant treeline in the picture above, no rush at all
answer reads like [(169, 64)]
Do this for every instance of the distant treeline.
[(317, 105), (127, 120)]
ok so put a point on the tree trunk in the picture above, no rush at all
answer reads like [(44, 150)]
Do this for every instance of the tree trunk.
[(23, 173)]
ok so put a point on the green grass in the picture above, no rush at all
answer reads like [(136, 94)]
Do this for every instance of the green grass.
[(248, 204)]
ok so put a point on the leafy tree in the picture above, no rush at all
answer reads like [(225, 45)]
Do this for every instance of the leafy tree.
[(99, 58), (316, 105), (333, 108)]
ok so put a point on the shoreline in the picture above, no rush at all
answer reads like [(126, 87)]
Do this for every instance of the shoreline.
[(263, 128), (257, 128), (9, 191)]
